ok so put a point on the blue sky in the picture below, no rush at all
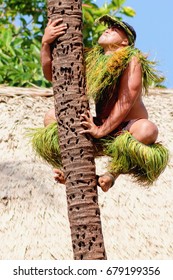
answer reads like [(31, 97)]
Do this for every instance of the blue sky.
[(153, 23)]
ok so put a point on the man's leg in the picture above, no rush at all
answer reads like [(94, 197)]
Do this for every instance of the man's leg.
[(145, 132), (105, 181), (49, 117)]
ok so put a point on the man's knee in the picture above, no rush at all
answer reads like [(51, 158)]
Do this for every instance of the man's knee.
[(150, 132), (49, 117), (145, 131)]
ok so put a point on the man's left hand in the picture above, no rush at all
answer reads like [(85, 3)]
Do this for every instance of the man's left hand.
[(88, 123)]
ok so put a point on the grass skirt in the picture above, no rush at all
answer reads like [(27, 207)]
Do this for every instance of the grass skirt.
[(145, 162), (45, 143)]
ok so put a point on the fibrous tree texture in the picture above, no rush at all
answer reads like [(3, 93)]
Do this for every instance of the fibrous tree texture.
[(76, 149)]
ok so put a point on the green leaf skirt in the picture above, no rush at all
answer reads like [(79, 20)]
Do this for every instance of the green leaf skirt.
[(127, 155)]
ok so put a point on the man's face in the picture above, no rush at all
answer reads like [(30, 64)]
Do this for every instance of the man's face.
[(112, 36)]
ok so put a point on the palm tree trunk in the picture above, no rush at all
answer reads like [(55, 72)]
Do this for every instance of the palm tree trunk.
[(76, 149)]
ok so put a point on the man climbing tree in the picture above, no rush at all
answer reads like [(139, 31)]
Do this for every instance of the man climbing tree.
[(116, 74)]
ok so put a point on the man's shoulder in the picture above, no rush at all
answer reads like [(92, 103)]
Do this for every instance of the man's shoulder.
[(134, 66), (135, 59), (135, 63)]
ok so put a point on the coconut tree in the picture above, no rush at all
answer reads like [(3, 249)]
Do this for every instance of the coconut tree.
[(76, 149)]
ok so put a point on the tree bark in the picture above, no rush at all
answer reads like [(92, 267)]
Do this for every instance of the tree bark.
[(76, 150)]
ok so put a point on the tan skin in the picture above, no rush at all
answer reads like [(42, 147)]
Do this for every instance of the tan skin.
[(129, 105)]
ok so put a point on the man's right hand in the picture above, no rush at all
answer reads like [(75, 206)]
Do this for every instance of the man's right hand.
[(53, 30)]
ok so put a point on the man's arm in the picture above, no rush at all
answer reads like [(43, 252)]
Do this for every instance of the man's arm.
[(129, 90), (46, 61), (53, 30)]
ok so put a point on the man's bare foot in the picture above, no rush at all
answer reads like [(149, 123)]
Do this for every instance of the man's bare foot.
[(59, 176), (106, 181)]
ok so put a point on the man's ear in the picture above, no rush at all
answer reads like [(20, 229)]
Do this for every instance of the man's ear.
[(125, 42)]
